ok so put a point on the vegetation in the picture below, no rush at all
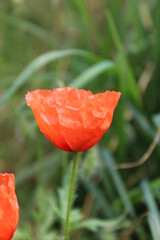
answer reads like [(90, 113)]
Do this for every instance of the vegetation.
[(94, 45)]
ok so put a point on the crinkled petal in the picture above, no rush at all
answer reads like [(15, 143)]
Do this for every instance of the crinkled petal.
[(73, 119), (9, 209)]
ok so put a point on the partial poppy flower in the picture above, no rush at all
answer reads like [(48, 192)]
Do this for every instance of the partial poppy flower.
[(9, 209), (73, 119)]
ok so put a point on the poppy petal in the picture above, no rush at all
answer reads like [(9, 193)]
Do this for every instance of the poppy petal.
[(9, 209), (73, 119)]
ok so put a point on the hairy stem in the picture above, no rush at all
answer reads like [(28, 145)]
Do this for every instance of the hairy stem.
[(71, 191)]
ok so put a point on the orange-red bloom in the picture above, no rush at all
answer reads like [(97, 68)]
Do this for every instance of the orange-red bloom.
[(73, 119), (9, 209)]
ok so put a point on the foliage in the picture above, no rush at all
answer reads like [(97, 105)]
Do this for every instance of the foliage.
[(94, 45)]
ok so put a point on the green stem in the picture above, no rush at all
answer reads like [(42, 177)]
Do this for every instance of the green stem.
[(71, 191)]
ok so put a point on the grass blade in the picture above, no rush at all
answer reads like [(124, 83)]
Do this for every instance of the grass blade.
[(130, 86), (29, 27), (109, 162), (33, 170), (142, 121), (36, 64), (153, 209), (92, 72), (99, 197)]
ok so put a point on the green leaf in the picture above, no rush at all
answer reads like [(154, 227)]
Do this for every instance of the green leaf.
[(89, 75), (29, 27), (127, 81), (120, 186), (156, 119), (27, 173), (153, 209), (109, 225), (101, 200)]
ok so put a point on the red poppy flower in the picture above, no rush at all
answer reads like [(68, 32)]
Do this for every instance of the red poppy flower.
[(9, 209), (73, 119)]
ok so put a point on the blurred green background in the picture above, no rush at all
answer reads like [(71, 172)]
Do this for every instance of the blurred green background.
[(96, 45)]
